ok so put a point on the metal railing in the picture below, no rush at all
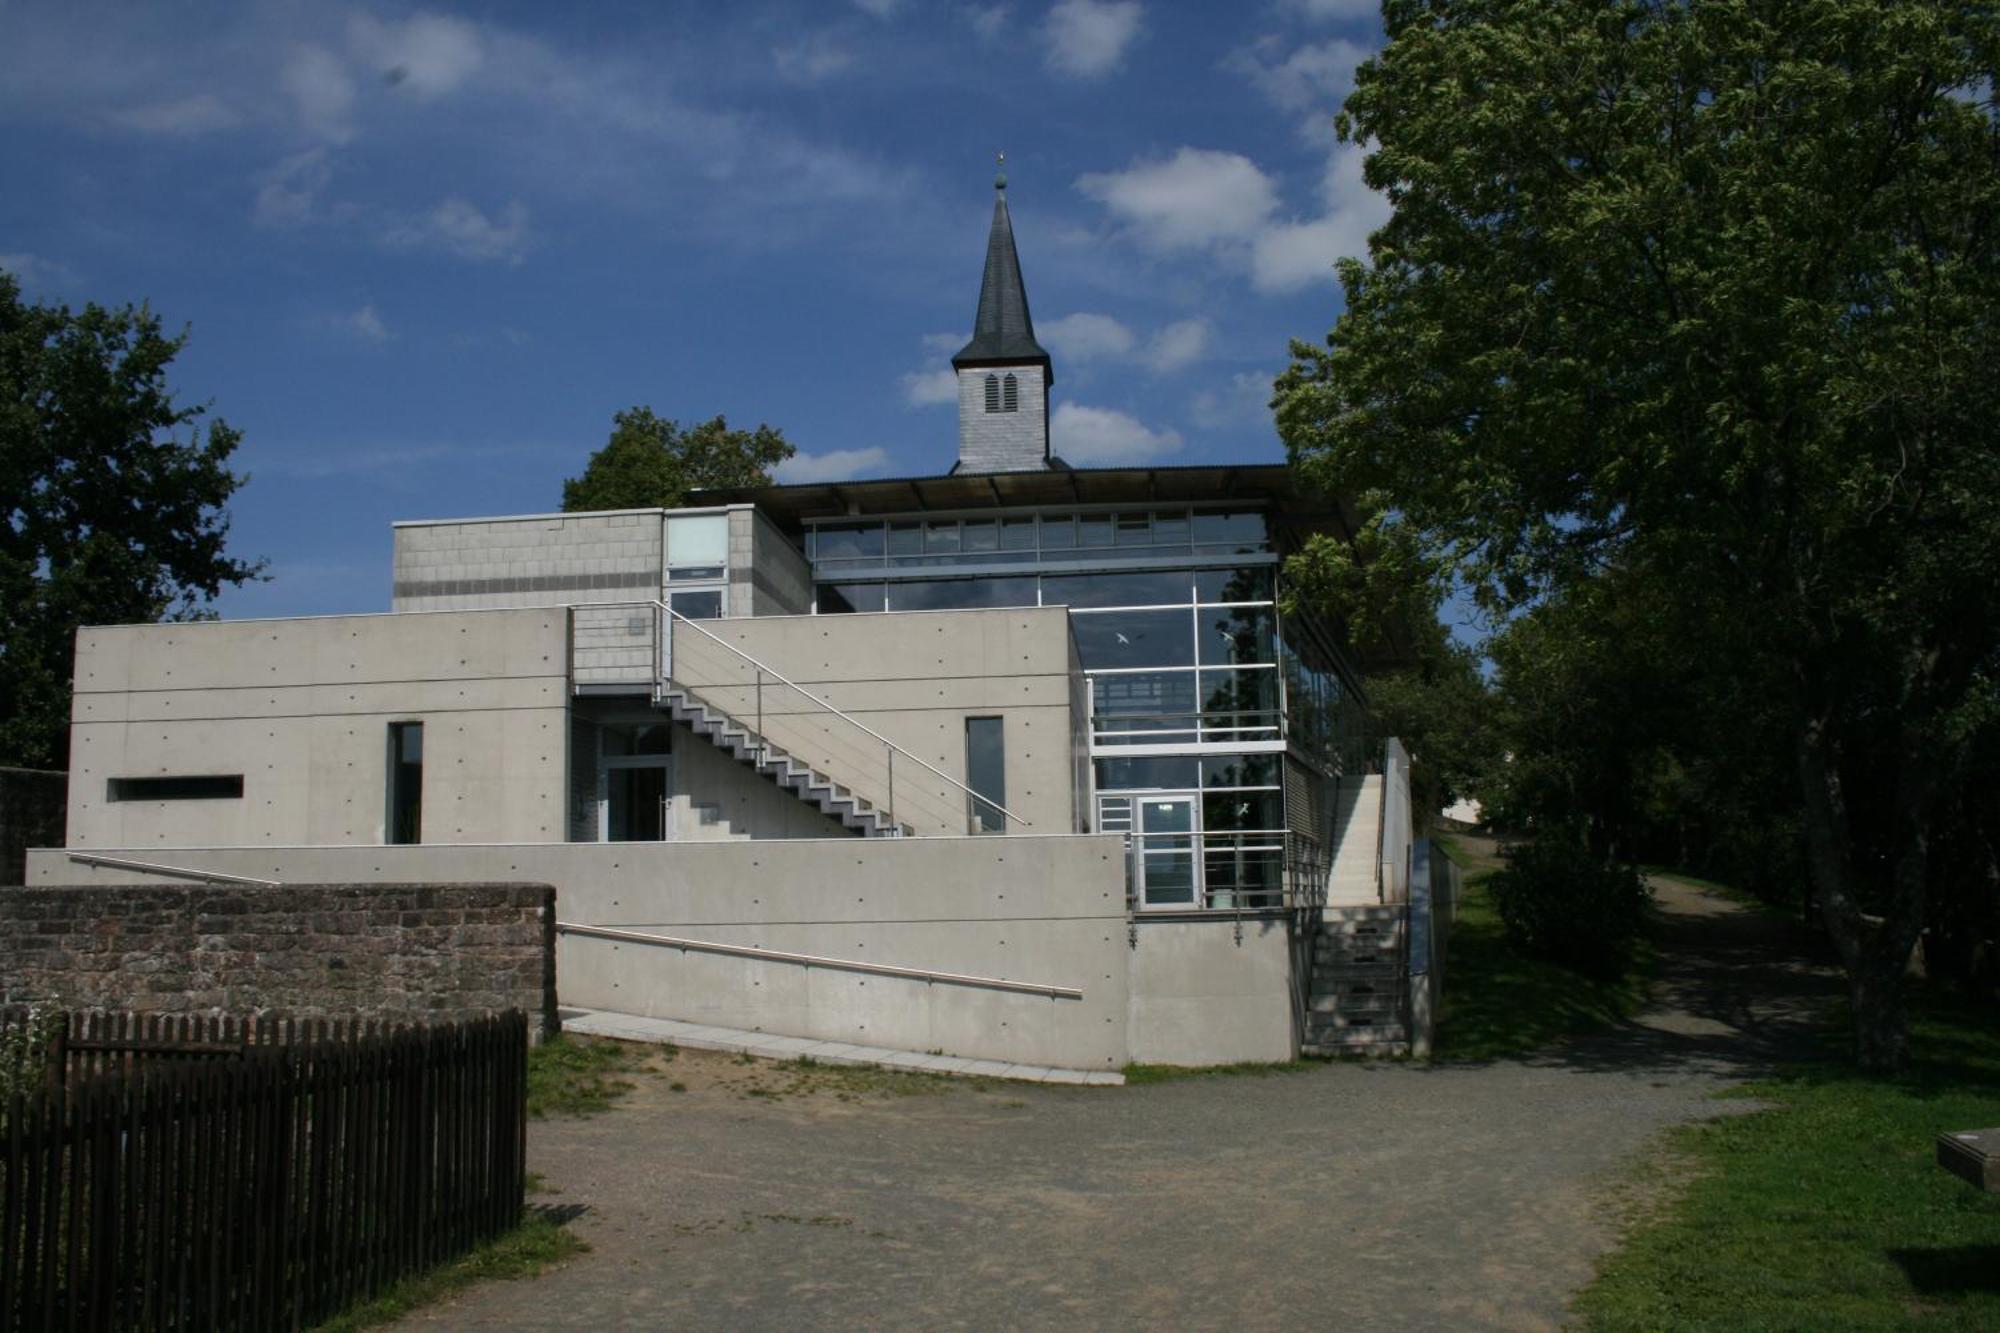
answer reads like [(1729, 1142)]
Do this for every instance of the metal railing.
[(818, 960), (1237, 870), (777, 713), (174, 872)]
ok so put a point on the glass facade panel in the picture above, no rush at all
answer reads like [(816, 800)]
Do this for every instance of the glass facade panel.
[(1139, 588), (1093, 529), (835, 598), (1017, 534), (835, 542), (1243, 700), (979, 536), (1231, 533), (1133, 638), (1233, 585), (1234, 811), (1058, 532), (1238, 634), (961, 594), (906, 543), (1145, 701), (1172, 772), (941, 539), (1134, 530), (1239, 770)]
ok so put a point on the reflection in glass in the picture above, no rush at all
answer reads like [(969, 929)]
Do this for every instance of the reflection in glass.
[(1238, 634), (1094, 529), (1145, 700), (1238, 533), (961, 594), (1160, 772), (1239, 699), (703, 605), (847, 541), (1133, 639), (1237, 810), (985, 774), (835, 598), (1140, 588), (1252, 584), (1239, 770)]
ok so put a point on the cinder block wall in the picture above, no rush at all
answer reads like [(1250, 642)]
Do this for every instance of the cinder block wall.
[(432, 952), (33, 805)]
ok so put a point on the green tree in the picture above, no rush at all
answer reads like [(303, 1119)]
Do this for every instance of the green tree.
[(1704, 292), (652, 463), (114, 498)]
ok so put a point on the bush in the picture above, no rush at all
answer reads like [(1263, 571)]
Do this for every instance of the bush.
[(1560, 902)]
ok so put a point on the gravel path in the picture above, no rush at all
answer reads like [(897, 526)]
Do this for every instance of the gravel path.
[(1368, 1196)]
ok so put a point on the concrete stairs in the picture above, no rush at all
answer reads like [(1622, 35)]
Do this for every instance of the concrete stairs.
[(741, 743), (1358, 819), (1360, 991)]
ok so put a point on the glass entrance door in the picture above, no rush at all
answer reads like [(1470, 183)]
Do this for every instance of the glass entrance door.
[(1164, 865), (632, 777)]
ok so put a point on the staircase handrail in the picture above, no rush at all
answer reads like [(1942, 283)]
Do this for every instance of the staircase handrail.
[(782, 679)]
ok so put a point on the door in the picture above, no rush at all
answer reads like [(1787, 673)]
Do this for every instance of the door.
[(632, 781), (1165, 867)]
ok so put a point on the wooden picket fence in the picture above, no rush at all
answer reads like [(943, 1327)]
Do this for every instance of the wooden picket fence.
[(198, 1174)]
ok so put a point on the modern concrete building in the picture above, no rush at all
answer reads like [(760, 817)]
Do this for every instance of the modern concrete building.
[(1019, 761)]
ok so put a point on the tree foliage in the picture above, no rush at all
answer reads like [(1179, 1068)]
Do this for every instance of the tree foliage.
[(1702, 296), (114, 498), (653, 463)]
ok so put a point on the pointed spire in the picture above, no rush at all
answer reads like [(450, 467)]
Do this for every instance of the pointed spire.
[(1002, 332)]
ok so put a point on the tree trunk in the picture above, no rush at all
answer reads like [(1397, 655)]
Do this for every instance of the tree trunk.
[(1881, 1025)]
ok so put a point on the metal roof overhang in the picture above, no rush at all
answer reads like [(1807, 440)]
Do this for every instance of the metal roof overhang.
[(1272, 486)]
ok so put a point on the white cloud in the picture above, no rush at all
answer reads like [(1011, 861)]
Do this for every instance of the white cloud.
[(880, 9), (290, 191), (365, 323), (811, 60), (1088, 337), (1201, 198), (1315, 77), (1291, 255), (182, 119), (1102, 435), (428, 55), (945, 344), (34, 270), (987, 20), (1244, 401), (1196, 197), (1087, 38), (1179, 344), (1337, 9), (930, 388), (833, 465), (463, 229), (322, 92)]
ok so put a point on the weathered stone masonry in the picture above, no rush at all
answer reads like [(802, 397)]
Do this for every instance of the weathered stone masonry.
[(433, 952)]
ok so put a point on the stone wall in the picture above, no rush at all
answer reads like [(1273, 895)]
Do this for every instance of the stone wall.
[(33, 810), (433, 952)]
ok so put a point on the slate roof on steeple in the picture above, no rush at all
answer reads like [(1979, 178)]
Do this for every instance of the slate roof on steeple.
[(1002, 332)]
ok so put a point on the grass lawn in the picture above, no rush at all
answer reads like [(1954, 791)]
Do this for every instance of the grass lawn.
[(1826, 1211), (585, 1075), (1500, 1003), (525, 1252)]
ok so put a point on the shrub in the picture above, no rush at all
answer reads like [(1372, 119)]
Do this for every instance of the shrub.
[(1560, 902)]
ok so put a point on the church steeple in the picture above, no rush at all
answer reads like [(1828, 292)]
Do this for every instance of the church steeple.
[(1003, 373)]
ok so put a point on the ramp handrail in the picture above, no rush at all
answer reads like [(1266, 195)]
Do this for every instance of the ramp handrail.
[(891, 747), (177, 872), (816, 960)]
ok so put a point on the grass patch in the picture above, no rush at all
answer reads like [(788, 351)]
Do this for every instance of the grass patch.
[(1827, 1211), (1138, 1074), (527, 1251), (1499, 1002), (584, 1076)]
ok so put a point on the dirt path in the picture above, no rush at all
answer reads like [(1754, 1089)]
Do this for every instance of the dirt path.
[(1386, 1196)]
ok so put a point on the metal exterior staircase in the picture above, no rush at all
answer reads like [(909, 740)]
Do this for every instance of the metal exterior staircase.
[(1360, 993), (744, 745)]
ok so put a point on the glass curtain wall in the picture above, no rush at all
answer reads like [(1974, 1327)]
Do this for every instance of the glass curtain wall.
[(1186, 661)]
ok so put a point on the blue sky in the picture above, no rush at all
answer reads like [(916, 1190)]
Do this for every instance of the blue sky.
[(426, 254)]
